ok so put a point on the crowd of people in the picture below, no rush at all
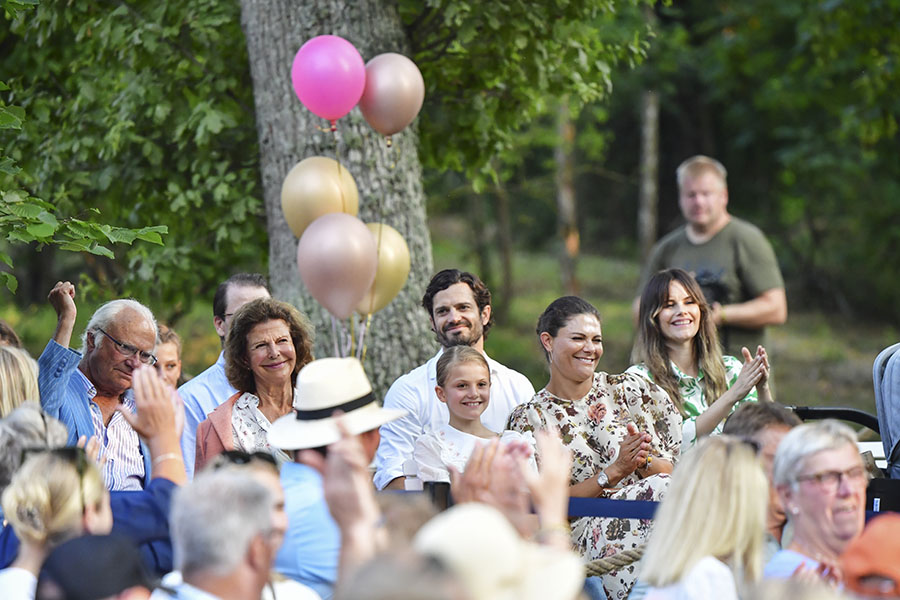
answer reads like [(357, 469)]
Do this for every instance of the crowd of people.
[(272, 474)]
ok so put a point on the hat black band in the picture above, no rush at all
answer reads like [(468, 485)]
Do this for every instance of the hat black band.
[(324, 413)]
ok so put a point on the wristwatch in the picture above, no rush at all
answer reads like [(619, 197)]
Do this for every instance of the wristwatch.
[(603, 479)]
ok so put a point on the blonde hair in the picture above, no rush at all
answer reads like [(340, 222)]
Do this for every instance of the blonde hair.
[(18, 379), (46, 499), (698, 165), (455, 355), (717, 501)]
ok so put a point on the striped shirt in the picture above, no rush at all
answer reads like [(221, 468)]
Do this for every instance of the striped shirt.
[(67, 394)]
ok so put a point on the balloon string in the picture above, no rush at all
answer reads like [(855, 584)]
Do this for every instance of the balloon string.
[(347, 342), (362, 336), (337, 159), (334, 335), (352, 334)]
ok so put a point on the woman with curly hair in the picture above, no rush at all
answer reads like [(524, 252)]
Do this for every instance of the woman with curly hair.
[(267, 345)]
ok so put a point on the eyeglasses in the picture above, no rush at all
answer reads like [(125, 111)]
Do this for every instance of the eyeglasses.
[(831, 480), (239, 457), (129, 350), (74, 455)]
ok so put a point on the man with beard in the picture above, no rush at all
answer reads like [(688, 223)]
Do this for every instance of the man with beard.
[(459, 307)]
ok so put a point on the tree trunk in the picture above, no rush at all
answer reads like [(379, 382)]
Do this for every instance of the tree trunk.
[(566, 204), (649, 192), (389, 181)]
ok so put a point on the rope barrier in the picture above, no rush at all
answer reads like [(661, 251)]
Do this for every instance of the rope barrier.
[(602, 566)]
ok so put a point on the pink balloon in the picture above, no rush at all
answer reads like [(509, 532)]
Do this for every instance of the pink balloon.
[(394, 93), (337, 258), (329, 76)]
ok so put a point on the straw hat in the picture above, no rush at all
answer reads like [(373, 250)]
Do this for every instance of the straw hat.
[(480, 546), (324, 386)]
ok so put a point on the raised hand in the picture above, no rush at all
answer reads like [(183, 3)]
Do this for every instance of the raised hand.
[(633, 452), (62, 299), (755, 369), (493, 476), (158, 420), (549, 487)]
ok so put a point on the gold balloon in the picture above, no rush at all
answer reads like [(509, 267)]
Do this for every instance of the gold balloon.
[(392, 271), (316, 186)]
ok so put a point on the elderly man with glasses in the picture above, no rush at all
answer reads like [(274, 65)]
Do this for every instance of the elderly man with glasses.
[(85, 390)]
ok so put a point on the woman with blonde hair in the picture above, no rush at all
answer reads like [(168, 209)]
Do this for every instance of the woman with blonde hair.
[(708, 531), (18, 379), (55, 495), (677, 348)]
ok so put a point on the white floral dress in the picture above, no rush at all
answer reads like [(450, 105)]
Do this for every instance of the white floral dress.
[(693, 396), (592, 428)]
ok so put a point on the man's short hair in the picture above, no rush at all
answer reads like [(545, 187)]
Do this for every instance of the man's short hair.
[(698, 165), (238, 279), (752, 417), (106, 315), (444, 279), (214, 519)]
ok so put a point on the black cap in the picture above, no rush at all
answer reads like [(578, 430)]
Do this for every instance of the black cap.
[(91, 567)]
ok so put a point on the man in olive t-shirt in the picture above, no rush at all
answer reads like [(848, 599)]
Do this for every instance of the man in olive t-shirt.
[(731, 259)]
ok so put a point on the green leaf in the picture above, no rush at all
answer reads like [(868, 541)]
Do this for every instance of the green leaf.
[(12, 284), (22, 208), (41, 230), (11, 117), (8, 166), (101, 250)]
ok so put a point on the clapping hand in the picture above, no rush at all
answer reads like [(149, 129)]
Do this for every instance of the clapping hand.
[(634, 449)]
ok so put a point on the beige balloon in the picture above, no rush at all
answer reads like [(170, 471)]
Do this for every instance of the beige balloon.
[(392, 271), (336, 258), (394, 93), (316, 186)]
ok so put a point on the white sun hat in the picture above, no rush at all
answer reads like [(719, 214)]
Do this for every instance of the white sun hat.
[(324, 386), (480, 546)]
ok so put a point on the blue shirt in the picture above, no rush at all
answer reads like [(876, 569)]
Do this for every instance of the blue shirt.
[(785, 562), (312, 544), (67, 394), (202, 395), (141, 516)]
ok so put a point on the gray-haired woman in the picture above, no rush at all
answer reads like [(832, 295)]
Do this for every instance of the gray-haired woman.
[(821, 481)]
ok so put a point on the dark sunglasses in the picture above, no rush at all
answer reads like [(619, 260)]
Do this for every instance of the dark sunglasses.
[(74, 455), (239, 457)]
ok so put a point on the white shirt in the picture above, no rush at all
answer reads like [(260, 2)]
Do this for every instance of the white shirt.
[(414, 393), (17, 584), (281, 588), (438, 449), (709, 579)]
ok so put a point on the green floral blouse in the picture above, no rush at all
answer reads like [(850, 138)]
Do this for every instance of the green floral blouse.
[(692, 395)]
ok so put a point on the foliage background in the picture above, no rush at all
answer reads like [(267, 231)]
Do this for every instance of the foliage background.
[(144, 112)]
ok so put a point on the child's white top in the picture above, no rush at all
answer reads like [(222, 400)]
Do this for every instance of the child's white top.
[(444, 446)]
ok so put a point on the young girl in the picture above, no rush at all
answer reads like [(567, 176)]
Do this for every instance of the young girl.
[(464, 385)]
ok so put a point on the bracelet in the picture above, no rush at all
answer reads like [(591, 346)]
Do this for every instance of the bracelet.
[(722, 315), (165, 457), (546, 531)]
